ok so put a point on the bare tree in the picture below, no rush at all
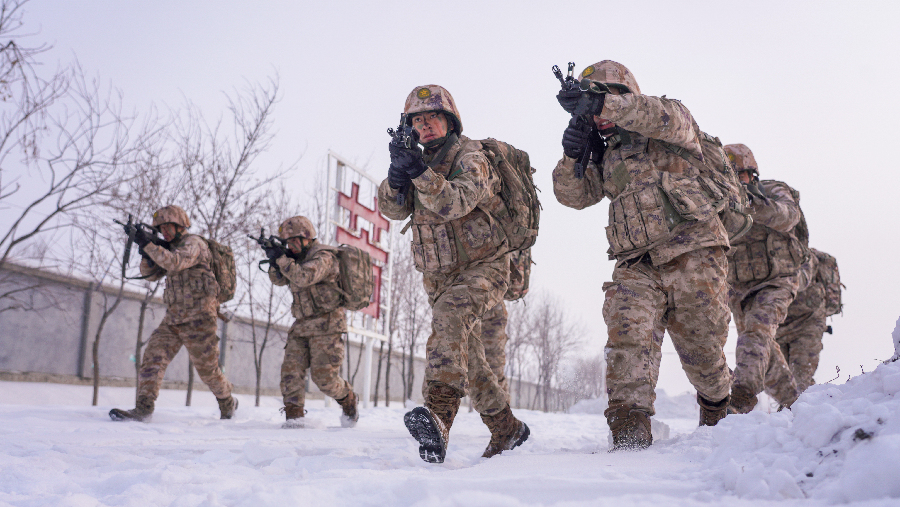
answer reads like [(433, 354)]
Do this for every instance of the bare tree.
[(413, 315), (552, 337), (224, 189), (518, 340)]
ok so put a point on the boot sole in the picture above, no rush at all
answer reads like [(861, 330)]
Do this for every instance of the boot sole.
[(121, 415), (525, 433), (422, 428)]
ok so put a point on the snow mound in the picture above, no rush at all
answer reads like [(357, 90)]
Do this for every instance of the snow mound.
[(837, 444)]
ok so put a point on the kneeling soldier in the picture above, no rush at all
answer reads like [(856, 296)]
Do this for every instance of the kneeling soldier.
[(192, 304), (314, 341)]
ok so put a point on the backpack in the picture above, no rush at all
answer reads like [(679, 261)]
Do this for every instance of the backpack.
[(521, 215), (830, 277), (222, 265), (719, 179), (356, 281)]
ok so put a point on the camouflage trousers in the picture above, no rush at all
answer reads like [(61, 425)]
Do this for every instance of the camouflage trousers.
[(801, 342), (686, 297), (760, 364), (322, 354), (492, 329), (198, 335), (455, 353)]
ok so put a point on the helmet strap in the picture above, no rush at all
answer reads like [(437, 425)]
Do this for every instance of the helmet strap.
[(449, 140)]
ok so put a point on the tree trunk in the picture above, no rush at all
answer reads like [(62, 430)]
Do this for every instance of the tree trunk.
[(387, 375), (190, 383), (378, 373), (95, 347)]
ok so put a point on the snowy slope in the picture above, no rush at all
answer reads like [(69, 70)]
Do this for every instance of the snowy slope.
[(841, 444)]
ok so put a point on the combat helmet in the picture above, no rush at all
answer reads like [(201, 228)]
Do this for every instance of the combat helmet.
[(297, 226), (433, 98), (742, 158), (171, 214), (612, 74)]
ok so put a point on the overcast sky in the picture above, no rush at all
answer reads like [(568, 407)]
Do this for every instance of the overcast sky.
[(811, 87)]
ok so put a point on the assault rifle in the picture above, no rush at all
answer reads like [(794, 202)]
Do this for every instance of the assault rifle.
[(405, 138), (583, 122), (272, 242), (131, 229)]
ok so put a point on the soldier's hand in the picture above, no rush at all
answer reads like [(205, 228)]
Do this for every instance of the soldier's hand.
[(273, 252), (755, 194), (397, 177), (142, 238), (568, 99), (575, 137), (589, 103), (408, 160)]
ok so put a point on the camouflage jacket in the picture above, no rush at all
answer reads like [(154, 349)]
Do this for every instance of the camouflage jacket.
[(632, 173), (191, 286), (314, 285), (450, 231), (775, 248)]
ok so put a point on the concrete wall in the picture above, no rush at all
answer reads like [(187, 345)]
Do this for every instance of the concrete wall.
[(51, 340)]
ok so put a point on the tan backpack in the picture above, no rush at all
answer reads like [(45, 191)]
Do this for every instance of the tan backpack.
[(357, 282), (222, 265), (830, 277)]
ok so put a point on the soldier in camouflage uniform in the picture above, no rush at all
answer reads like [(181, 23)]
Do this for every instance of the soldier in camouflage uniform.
[(800, 335), (192, 305), (492, 329), (461, 252), (764, 273), (314, 341), (670, 271)]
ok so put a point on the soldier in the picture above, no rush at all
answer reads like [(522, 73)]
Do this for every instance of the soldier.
[(764, 275), (800, 335), (192, 305), (493, 335), (670, 271), (461, 252), (315, 340)]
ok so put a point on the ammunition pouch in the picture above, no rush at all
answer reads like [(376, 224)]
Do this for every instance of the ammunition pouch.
[(446, 246), (757, 261), (640, 218), (316, 300)]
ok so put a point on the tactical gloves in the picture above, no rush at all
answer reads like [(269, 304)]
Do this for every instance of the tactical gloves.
[(407, 160), (568, 99), (142, 237), (755, 193), (273, 252), (575, 137), (397, 178)]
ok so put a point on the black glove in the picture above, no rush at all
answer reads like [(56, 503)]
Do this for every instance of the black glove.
[(273, 252), (575, 137), (397, 178), (568, 99), (755, 193), (142, 238), (589, 103), (408, 160)]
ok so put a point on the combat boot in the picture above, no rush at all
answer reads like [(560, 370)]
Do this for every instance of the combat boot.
[(350, 415), (430, 425), (711, 413), (294, 416), (507, 432), (227, 407), (141, 412), (630, 428), (742, 400)]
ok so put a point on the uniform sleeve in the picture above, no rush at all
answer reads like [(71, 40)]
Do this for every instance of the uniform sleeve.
[(781, 213), (387, 202), (309, 272), (276, 277), (654, 117), (473, 181), (152, 274), (182, 257), (573, 192)]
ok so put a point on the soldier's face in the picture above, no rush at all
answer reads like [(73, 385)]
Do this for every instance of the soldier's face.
[(297, 243), (431, 125), (168, 231), (745, 176)]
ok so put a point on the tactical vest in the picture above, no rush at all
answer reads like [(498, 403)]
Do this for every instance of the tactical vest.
[(320, 298), (186, 289), (764, 253), (441, 245)]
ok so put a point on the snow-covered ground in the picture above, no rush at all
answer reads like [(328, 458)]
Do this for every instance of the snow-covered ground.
[(840, 444)]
